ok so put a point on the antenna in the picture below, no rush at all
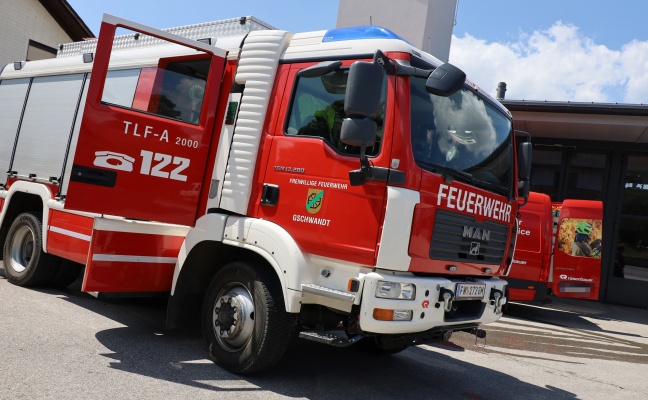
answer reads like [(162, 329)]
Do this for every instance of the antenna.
[(370, 23)]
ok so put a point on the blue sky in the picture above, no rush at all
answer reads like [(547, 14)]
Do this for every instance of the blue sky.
[(608, 23), (568, 50)]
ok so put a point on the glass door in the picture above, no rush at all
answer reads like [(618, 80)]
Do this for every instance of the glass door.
[(629, 276)]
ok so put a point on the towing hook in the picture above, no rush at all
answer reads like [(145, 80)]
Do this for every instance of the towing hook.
[(498, 300), (479, 334), (447, 296)]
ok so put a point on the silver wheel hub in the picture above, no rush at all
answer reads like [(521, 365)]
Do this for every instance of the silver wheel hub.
[(233, 318), (22, 249)]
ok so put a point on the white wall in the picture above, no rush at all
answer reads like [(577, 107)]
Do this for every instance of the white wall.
[(21, 20), (427, 24)]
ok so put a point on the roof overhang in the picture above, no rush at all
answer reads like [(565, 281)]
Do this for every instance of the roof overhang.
[(68, 19), (581, 121)]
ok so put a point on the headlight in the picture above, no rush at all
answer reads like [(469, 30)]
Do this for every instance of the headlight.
[(395, 290)]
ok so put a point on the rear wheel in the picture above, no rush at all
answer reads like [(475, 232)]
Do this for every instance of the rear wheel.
[(26, 264), (244, 322)]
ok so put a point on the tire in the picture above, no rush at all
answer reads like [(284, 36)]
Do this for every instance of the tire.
[(383, 344), (26, 264), (245, 326)]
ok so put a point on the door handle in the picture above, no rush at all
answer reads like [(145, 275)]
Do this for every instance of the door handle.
[(270, 194)]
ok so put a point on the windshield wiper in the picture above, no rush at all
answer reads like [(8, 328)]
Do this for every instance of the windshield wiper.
[(497, 188), (465, 176)]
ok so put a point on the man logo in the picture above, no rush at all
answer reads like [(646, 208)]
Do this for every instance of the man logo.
[(314, 200), (474, 248), (476, 233)]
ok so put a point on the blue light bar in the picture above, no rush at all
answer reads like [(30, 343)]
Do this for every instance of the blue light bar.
[(358, 33)]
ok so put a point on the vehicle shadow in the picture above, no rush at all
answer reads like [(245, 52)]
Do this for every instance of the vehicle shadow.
[(308, 370), (579, 314), (558, 335), (548, 315)]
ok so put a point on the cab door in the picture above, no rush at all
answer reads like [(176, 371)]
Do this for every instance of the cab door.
[(308, 167), (147, 125)]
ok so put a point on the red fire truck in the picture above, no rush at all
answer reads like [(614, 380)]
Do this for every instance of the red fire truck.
[(340, 184), (558, 250)]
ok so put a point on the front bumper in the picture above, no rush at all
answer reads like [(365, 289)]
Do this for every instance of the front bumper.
[(429, 311)]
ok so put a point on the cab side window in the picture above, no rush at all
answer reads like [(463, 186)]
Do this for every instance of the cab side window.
[(317, 110), (174, 88)]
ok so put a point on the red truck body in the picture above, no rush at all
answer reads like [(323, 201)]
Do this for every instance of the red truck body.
[(548, 257)]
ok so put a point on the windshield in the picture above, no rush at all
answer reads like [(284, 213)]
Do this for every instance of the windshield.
[(461, 135)]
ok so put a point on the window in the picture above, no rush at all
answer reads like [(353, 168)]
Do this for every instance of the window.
[(173, 87), (635, 191), (39, 51), (545, 172), (175, 91), (568, 173), (317, 110), (631, 260), (586, 176)]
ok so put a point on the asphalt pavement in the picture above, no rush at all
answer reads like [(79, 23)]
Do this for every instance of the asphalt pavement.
[(63, 344)]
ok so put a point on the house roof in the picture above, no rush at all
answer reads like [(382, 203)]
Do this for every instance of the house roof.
[(68, 19)]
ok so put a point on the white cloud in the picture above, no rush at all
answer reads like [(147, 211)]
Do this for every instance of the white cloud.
[(556, 64)]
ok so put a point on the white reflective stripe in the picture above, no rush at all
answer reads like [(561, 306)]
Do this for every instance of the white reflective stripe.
[(73, 234), (143, 227), (393, 253), (135, 259)]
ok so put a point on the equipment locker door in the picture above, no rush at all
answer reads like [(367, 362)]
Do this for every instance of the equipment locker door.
[(147, 125)]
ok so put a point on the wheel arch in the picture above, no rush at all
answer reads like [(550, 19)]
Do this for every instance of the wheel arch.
[(24, 197), (219, 239)]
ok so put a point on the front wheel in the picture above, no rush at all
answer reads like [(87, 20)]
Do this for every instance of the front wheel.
[(26, 264), (245, 325)]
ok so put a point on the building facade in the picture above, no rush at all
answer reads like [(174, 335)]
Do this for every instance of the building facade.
[(33, 29), (427, 24), (597, 152)]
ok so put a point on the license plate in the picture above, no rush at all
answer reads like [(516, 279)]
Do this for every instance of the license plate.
[(470, 291)]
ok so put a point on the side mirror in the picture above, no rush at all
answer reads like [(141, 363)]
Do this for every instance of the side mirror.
[(524, 161), (364, 85), (524, 170), (445, 80), (361, 103), (358, 131)]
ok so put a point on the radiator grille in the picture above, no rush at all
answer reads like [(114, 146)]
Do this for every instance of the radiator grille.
[(486, 246)]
